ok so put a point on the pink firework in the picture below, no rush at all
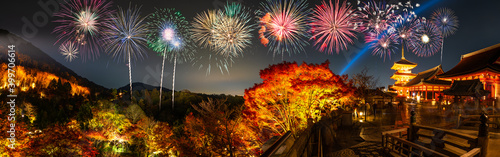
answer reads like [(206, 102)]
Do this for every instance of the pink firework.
[(383, 44), (333, 26), (283, 25), (81, 22)]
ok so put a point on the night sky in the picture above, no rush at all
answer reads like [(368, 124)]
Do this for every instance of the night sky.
[(479, 23)]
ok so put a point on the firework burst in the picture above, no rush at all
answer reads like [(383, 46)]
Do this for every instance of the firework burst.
[(283, 25), (383, 44), (376, 17), (170, 36), (333, 26), (427, 39), (446, 21), (232, 31), (69, 50), (125, 36), (404, 27), (81, 22), (227, 32), (204, 27)]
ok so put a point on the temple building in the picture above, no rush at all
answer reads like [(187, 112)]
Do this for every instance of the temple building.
[(482, 65), (403, 75), (427, 86), (479, 70)]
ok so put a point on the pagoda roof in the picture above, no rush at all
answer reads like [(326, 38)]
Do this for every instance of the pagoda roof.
[(487, 59), (404, 74), (405, 62), (467, 88), (429, 77)]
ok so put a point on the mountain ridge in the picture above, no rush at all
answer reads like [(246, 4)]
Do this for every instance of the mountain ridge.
[(30, 56), (139, 86)]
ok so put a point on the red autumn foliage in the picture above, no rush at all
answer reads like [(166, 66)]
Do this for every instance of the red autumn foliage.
[(290, 95), (62, 140), (216, 131), (22, 140)]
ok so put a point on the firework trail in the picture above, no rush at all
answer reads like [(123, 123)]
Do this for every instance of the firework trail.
[(81, 22), (69, 50), (125, 37), (427, 39), (333, 26), (447, 23), (209, 61), (169, 27), (170, 36), (283, 25)]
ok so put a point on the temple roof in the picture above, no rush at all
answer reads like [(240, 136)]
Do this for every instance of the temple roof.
[(466, 88), (404, 74), (487, 59), (429, 77), (405, 62)]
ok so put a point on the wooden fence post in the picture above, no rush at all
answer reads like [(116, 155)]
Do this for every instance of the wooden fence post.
[(483, 135), (412, 132)]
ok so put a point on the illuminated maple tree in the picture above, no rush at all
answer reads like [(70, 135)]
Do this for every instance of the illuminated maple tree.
[(61, 140), (290, 95), (219, 130), (31, 78), (158, 138), (109, 122)]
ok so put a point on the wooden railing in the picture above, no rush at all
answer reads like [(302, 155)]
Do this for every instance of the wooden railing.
[(276, 145), (403, 147), (493, 120), (438, 141), (408, 141)]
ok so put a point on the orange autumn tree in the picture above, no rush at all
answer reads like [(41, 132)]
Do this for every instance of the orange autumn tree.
[(159, 139), (62, 140), (218, 130), (290, 95)]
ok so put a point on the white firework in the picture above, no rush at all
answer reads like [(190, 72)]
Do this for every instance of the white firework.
[(69, 50)]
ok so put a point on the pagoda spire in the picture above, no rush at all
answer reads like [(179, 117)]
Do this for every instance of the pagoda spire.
[(403, 74), (403, 52)]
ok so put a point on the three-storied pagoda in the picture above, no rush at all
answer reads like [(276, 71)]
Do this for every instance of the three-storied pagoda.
[(403, 75)]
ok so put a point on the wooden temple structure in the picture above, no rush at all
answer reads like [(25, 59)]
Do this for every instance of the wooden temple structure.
[(427, 86), (482, 65), (402, 75)]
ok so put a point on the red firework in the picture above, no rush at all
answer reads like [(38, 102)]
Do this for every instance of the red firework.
[(333, 26)]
